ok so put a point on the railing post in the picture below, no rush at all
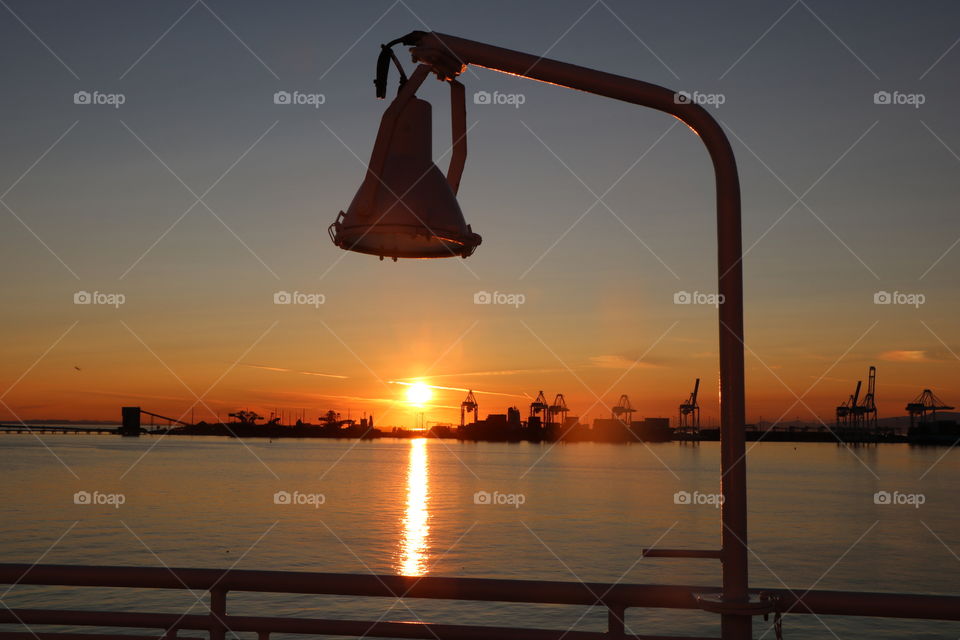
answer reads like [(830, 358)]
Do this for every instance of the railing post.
[(218, 610), (615, 616)]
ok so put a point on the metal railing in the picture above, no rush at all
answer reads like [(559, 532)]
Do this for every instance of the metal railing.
[(218, 583)]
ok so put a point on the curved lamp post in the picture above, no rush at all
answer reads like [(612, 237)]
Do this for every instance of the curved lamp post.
[(405, 208)]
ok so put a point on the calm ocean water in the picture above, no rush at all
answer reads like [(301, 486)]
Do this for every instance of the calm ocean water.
[(409, 507)]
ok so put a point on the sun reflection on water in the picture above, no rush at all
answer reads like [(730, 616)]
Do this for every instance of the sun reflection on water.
[(414, 536)]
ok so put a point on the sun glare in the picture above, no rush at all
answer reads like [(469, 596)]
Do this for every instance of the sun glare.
[(419, 394)]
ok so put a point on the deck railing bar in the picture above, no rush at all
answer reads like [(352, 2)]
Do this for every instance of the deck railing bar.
[(320, 626), (217, 583), (652, 596), (61, 635)]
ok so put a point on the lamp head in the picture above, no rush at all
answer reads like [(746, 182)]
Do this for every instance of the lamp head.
[(405, 207)]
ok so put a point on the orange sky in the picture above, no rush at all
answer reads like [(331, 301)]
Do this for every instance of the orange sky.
[(294, 359), (201, 198)]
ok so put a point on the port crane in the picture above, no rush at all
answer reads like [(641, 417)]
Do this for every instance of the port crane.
[(924, 404), (469, 405), (845, 411), (539, 405), (623, 411), (857, 414), (689, 416), (866, 412), (559, 407)]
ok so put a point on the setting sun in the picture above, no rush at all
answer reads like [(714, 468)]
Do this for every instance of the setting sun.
[(419, 393)]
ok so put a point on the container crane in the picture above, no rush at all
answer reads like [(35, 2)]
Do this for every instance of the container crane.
[(866, 412), (925, 403), (846, 411), (469, 405), (623, 411), (539, 405), (689, 416), (559, 407)]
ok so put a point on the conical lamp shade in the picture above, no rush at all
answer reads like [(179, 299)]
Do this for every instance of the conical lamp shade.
[(405, 207)]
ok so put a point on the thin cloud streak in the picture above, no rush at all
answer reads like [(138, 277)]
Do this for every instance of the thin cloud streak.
[(300, 371), (495, 372)]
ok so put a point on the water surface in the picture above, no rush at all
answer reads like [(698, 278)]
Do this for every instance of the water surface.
[(566, 512)]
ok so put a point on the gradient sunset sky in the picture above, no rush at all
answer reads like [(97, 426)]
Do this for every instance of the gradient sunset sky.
[(842, 198)]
